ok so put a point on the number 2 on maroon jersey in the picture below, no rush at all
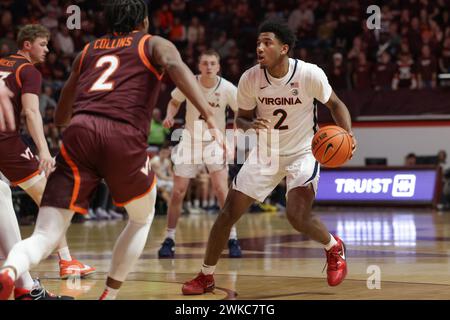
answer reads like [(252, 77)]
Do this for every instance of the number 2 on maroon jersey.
[(102, 83)]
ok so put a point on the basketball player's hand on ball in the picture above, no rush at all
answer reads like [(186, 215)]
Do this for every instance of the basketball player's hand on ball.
[(46, 163), (168, 122), (354, 145), (260, 124)]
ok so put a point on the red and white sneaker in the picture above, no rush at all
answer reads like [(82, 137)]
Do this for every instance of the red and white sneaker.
[(337, 266), (74, 268), (201, 284), (6, 285)]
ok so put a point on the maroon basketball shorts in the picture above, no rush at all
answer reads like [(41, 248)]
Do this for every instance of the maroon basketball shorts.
[(96, 148), (17, 163)]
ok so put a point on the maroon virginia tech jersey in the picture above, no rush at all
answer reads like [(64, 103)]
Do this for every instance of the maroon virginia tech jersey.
[(117, 80), (20, 77)]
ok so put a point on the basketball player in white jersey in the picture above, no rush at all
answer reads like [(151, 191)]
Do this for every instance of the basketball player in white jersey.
[(192, 153), (281, 91)]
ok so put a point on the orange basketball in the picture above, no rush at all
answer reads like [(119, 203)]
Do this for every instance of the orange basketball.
[(332, 146)]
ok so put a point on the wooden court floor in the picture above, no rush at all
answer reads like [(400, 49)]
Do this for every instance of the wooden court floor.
[(407, 250)]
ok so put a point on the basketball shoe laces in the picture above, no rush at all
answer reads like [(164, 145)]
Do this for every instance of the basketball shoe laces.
[(201, 279), (39, 291), (332, 258)]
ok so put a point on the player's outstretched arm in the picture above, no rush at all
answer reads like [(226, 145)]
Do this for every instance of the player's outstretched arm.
[(6, 109), (165, 55), (63, 112), (341, 115), (30, 103)]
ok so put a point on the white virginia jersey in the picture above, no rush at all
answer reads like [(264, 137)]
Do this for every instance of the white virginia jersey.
[(219, 97), (287, 102)]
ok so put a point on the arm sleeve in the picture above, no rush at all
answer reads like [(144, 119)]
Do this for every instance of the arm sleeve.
[(178, 95), (316, 83), (245, 96), (31, 80)]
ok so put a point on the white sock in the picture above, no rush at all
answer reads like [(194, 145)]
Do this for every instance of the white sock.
[(206, 270), (233, 233), (196, 203), (212, 202), (64, 254), (10, 233), (51, 225), (171, 233), (331, 243), (131, 242), (109, 294)]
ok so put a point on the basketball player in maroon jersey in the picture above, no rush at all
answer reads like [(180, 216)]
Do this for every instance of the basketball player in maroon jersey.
[(7, 122), (108, 100), (17, 162)]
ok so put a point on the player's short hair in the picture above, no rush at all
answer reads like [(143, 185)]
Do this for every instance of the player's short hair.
[(124, 16), (210, 52), (31, 32), (281, 31)]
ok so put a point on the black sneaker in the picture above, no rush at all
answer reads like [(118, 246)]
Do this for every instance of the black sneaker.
[(38, 292), (234, 250), (167, 249)]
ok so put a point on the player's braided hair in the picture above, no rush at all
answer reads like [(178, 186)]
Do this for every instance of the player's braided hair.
[(123, 16)]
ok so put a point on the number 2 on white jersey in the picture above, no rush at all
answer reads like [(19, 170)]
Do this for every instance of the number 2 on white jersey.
[(4, 74), (102, 83)]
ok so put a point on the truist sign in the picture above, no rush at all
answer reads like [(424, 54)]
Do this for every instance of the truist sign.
[(377, 185)]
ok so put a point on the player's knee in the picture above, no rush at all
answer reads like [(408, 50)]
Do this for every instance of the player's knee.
[(142, 210), (5, 190), (178, 194)]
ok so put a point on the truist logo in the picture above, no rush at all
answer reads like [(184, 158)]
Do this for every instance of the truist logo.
[(402, 186), (284, 101)]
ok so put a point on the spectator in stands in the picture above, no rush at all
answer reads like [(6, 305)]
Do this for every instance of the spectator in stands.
[(162, 166), (384, 72), (63, 42), (196, 31), (165, 17), (405, 76), (444, 59), (362, 73), (46, 100), (337, 73), (177, 33), (427, 66), (158, 134), (410, 160)]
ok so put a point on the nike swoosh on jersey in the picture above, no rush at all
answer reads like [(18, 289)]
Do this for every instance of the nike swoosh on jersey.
[(260, 88)]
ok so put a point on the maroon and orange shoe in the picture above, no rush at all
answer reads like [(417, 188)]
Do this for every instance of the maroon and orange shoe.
[(6, 285), (337, 266), (199, 285)]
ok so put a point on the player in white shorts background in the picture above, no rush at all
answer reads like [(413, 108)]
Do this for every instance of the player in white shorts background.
[(197, 149), (280, 91)]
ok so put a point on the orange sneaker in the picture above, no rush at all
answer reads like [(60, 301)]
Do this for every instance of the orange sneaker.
[(74, 268), (200, 285), (6, 285), (337, 266)]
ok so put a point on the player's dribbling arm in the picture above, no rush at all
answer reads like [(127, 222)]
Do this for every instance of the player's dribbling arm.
[(340, 114), (6, 109), (165, 54), (63, 112)]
